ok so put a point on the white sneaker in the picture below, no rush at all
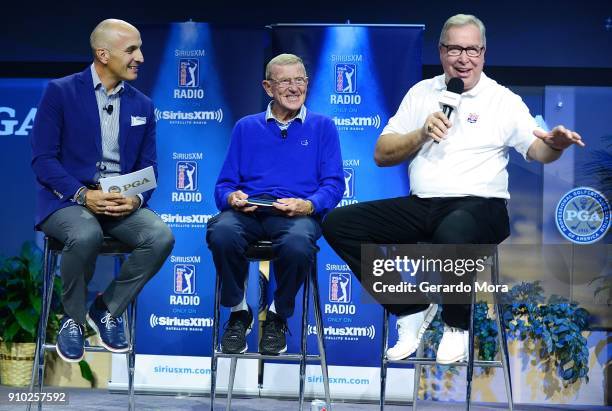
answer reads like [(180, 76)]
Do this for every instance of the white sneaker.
[(410, 330), (453, 346)]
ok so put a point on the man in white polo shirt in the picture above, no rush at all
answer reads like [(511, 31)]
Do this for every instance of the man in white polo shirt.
[(458, 177)]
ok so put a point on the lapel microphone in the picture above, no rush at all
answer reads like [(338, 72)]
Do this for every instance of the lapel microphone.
[(108, 109), (284, 133)]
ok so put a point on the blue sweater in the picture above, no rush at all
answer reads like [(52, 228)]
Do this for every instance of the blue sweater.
[(305, 164)]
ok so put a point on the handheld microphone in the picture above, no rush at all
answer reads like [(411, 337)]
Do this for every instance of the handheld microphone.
[(449, 100), (108, 109), (284, 133)]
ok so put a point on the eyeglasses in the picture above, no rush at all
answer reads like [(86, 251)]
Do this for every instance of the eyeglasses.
[(455, 51), (286, 82)]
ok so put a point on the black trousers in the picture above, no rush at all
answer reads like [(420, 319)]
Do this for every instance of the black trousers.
[(410, 220)]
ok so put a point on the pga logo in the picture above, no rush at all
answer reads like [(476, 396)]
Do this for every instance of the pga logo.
[(125, 187), (186, 175), (349, 183), (9, 125), (583, 215), (189, 72), (340, 287), (184, 279)]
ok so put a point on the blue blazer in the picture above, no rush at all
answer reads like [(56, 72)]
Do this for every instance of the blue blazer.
[(67, 140)]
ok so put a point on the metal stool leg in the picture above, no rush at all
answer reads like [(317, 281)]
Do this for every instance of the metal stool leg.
[(230, 384), (503, 342), (383, 358), (303, 346), (503, 353), (320, 334), (470, 359), (38, 334), (38, 369), (129, 317), (131, 355), (505, 358), (215, 341), (417, 375), (46, 309)]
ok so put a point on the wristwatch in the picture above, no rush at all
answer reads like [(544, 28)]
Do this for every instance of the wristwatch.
[(81, 198)]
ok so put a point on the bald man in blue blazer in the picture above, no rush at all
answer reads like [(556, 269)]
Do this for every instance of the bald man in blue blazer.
[(88, 126)]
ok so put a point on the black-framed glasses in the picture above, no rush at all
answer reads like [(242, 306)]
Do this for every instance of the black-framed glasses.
[(286, 82), (455, 51)]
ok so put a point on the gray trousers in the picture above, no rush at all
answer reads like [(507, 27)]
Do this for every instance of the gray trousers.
[(82, 233)]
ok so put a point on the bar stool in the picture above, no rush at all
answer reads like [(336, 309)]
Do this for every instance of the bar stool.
[(262, 251), (52, 249), (419, 360)]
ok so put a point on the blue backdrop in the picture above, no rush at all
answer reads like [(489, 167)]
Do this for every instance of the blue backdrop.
[(200, 88), (18, 101)]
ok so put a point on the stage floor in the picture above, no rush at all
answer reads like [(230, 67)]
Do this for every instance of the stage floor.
[(95, 399)]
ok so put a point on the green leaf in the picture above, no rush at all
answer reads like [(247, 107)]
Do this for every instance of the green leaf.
[(86, 372), (10, 332), (36, 303), (13, 305), (27, 320)]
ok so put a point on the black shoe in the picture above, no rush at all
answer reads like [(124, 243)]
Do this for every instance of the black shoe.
[(273, 339), (110, 329), (70, 340), (237, 328)]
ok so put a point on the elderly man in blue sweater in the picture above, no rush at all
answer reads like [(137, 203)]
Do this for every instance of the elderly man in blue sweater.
[(290, 157)]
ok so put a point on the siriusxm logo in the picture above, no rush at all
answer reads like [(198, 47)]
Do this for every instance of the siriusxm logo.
[(184, 278), (346, 78), (187, 156), (185, 221), (583, 215), (340, 287), (357, 123), (189, 117), (14, 126), (189, 79), (349, 183), (192, 322), (345, 333), (189, 53)]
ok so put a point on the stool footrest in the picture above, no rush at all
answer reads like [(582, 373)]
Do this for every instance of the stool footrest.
[(432, 361), (258, 356), (88, 348)]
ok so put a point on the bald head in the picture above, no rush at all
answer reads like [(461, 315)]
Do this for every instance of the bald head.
[(108, 32), (116, 46)]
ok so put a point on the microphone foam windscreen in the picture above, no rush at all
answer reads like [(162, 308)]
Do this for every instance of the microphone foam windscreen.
[(455, 85)]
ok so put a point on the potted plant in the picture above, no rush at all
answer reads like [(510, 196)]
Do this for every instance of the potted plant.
[(554, 326), (20, 307)]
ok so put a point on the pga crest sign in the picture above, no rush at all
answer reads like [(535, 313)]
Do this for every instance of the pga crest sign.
[(583, 215)]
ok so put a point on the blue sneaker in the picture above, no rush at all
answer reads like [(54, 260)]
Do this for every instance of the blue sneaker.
[(109, 328), (70, 340)]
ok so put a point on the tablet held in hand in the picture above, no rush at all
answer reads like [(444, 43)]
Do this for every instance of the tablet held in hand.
[(262, 202)]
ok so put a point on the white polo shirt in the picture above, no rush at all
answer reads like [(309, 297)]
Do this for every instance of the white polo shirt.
[(472, 160)]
